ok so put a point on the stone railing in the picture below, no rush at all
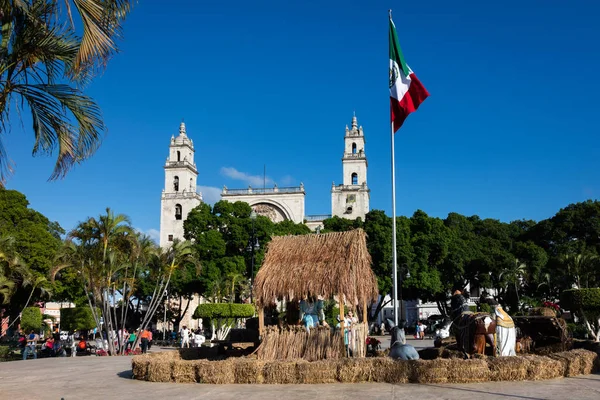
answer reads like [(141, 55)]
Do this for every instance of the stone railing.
[(250, 190), (180, 164), (316, 218), (355, 155), (183, 194)]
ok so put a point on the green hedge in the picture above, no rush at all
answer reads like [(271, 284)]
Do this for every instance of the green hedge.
[(586, 299), (77, 319), (31, 318), (224, 310)]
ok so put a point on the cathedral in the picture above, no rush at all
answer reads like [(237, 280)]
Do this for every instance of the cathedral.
[(350, 199)]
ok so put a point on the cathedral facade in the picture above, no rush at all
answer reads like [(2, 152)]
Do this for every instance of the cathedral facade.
[(350, 199)]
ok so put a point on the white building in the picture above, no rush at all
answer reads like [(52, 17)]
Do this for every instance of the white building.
[(279, 204), (350, 200), (179, 195)]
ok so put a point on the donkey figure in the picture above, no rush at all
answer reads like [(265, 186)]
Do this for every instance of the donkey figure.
[(399, 350), (472, 331)]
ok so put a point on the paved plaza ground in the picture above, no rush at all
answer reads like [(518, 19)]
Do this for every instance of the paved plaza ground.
[(110, 377)]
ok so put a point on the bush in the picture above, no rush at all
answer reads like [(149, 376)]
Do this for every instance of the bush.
[(77, 319), (574, 299), (485, 308), (31, 319), (224, 310)]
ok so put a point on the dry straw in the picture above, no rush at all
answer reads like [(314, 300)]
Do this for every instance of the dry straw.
[(328, 265), (218, 372), (280, 372), (165, 367), (294, 342), (576, 362), (324, 371), (542, 368)]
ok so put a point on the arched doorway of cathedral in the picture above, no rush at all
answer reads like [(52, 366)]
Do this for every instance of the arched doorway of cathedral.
[(272, 210)]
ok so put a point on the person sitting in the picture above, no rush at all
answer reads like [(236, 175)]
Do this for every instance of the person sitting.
[(82, 346)]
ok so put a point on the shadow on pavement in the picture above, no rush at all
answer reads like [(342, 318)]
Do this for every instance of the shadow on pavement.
[(128, 374)]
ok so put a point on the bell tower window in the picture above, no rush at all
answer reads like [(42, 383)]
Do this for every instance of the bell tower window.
[(354, 178), (178, 156), (178, 212), (176, 183), (353, 148)]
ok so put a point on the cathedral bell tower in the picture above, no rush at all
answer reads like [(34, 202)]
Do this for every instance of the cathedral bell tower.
[(351, 199), (179, 195)]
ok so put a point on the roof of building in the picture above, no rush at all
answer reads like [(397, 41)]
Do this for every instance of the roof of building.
[(327, 265)]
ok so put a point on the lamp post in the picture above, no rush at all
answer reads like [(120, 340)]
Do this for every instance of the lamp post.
[(252, 247), (404, 274)]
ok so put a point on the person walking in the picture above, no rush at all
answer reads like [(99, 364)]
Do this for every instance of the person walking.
[(145, 338), (185, 337)]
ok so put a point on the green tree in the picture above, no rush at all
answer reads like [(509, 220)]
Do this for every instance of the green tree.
[(31, 319), (28, 245)]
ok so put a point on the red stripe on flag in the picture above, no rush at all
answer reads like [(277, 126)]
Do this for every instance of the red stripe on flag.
[(410, 102)]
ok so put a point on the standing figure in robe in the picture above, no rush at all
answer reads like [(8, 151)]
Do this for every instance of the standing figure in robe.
[(311, 312), (506, 333)]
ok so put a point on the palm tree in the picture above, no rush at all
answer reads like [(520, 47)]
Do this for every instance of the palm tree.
[(172, 259), (579, 267), (235, 282), (13, 271), (514, 276), (36, 282), (94, 249), (41, 58), (6, 288)]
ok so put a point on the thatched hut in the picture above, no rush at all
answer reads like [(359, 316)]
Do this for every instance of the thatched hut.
[(328, 265)]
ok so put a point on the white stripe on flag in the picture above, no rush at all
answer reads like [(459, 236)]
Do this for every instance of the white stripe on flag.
[(402, 83)]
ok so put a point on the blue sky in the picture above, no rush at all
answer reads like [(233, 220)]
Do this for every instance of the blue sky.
[(510, 130)]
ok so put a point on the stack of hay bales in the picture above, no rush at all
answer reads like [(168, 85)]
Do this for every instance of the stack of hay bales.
[(169, 367)]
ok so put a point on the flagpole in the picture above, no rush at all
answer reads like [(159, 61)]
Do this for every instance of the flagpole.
[(394, 253)]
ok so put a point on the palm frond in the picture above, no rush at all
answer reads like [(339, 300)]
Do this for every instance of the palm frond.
[(102, 22), (52, 128)]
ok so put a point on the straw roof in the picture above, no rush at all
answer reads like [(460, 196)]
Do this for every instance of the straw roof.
[(328, 264)]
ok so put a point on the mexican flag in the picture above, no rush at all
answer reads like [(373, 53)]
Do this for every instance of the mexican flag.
[(406, 91)]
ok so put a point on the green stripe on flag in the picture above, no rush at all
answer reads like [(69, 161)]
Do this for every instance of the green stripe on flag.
[(395, 50)]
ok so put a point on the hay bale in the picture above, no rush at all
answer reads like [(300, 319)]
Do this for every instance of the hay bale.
[(467, 371), (388, 370), (542, 368), (543, 312), (139, 366), (324, 371), (355, 370), (280, 372), (429, 371), (217, 372), (159, 370), (183, 371), (508, 368), (576, 362), (248, 370)]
